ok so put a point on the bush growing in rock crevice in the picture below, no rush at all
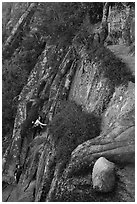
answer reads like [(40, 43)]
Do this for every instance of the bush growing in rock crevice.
[(70, 127), (112, 67)]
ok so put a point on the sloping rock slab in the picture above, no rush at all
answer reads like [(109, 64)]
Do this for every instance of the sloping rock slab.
[(116, 143)]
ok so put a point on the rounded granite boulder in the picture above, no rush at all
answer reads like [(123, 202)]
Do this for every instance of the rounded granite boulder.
[(103, 175)]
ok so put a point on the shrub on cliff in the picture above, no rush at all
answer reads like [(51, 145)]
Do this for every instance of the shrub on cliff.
[(112, 67), (70, 127), (13, 79)]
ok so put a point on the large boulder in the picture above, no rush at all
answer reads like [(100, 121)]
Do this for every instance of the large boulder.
[(103, 175), (116, 143)]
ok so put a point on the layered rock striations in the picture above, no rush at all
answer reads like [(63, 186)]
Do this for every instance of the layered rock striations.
[(101, 86)]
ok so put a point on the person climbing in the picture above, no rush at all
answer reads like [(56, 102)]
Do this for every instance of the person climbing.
[(38, 123)]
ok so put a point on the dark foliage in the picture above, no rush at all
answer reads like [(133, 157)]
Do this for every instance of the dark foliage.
[(95, 11), (112, 67), (71, 127), (13, 79), (57, 20)]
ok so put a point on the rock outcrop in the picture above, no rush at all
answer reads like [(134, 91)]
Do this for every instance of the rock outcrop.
[(101, 84), (103, 175)]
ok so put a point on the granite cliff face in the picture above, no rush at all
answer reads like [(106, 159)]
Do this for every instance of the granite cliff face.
[(102, 85)]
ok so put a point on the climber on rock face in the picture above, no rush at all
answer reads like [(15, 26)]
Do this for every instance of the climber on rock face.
[(38, 126), (38, 123)]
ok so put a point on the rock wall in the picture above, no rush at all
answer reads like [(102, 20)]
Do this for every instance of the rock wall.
[(102, 86)]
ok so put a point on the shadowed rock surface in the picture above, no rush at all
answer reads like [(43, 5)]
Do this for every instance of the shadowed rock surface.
[(123, 52), (95, 84)]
